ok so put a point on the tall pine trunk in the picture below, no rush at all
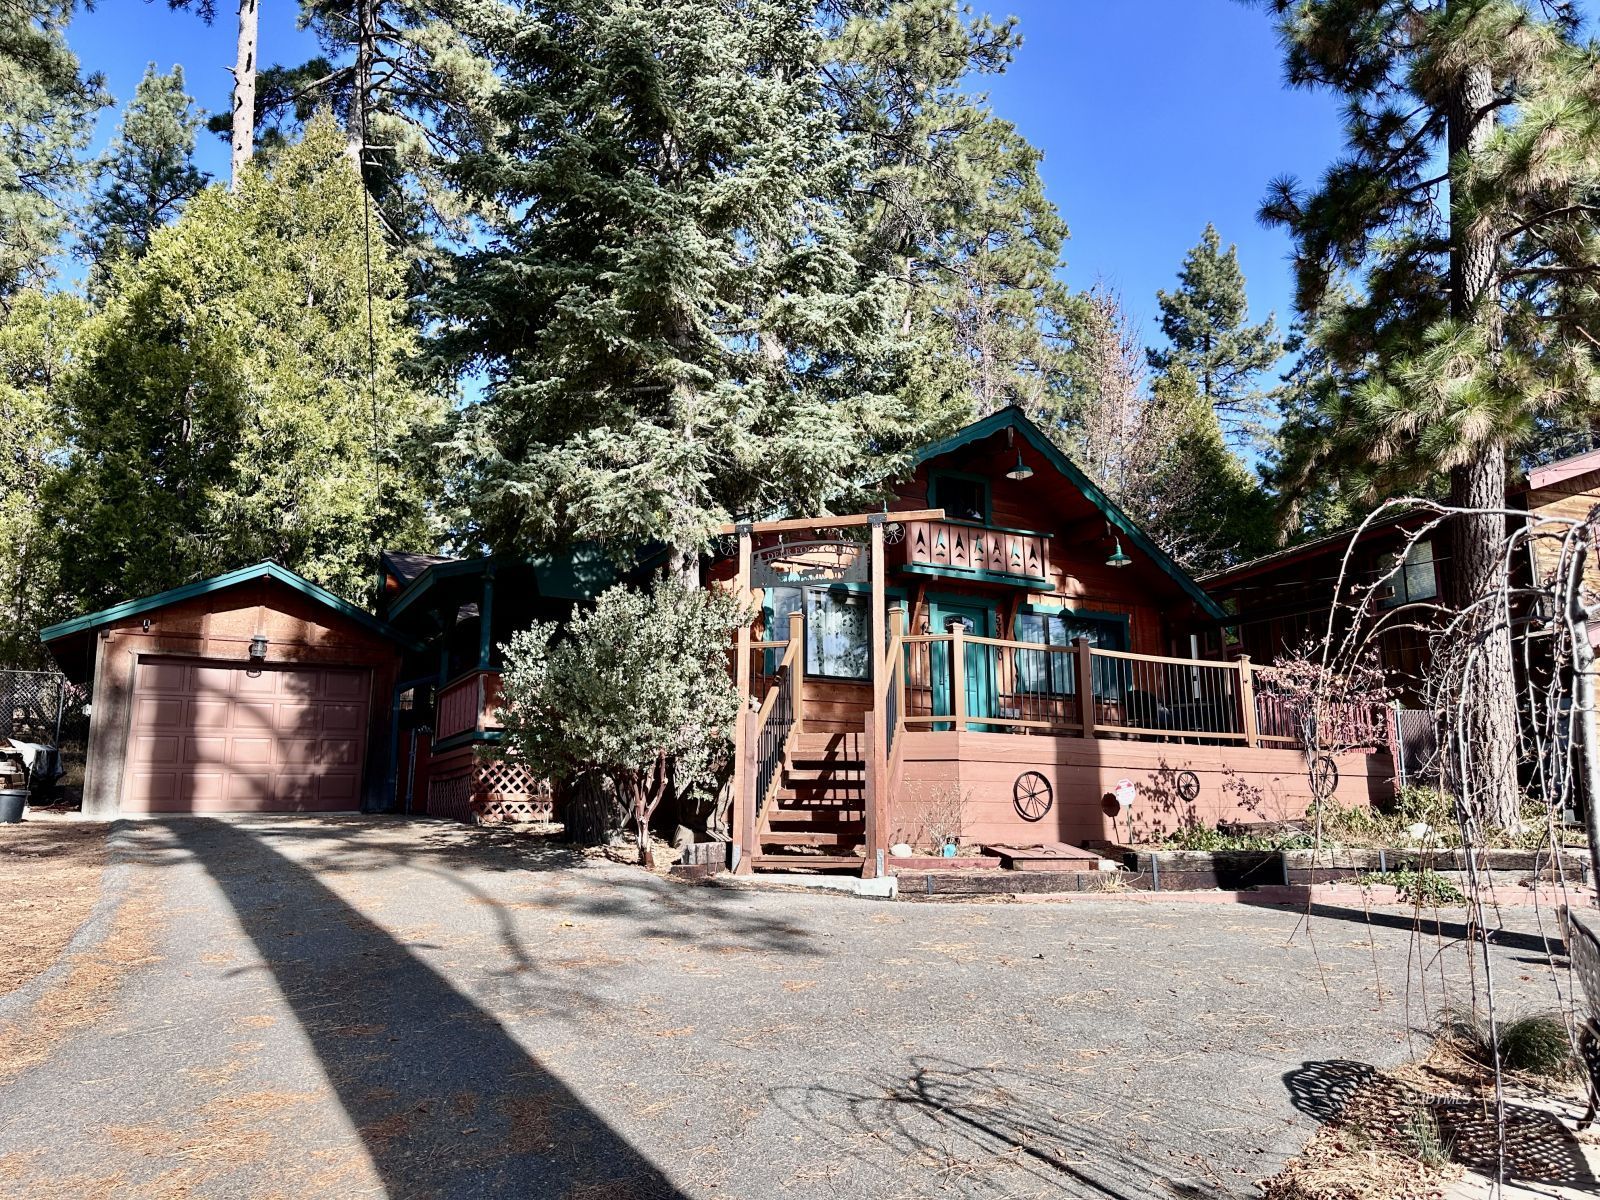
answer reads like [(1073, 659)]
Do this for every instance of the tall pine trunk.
[(1491, 731), (244, 92)]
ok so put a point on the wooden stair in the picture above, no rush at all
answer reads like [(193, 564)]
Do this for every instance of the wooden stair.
[(817, 821)]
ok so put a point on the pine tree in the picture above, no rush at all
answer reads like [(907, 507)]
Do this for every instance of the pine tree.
[(47, 112), (1206, 323), (1464, 207), (1155, 445), (35, 342), (148, 172), (673, 322), (240, 395), (953, 201)]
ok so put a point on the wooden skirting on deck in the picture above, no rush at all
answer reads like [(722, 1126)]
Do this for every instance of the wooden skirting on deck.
[(981, 771)]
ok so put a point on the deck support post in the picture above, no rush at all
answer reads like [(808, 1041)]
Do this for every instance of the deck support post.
[(880, 624), (1247, 702), (958, 675), (797, 675), (741, 817), (486, 620), (897, 630), (1083, 664), (744, 803)]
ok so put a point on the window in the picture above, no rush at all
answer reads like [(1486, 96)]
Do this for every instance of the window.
[(837, 639), (1415, 579), (837, 624), (962, 499), (1055, 674)]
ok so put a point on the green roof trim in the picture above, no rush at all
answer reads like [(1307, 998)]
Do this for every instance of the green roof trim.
[(217, 583), (1012, 418), (580, 573)]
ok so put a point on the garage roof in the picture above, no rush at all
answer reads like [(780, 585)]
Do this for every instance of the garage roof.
[(262, 570)]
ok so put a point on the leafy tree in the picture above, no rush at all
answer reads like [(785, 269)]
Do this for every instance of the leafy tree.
[(35, 341), (148, 169), (949, 195), (240, 396), (636, 690), (673, 322), (1206, 324), (1463, 207), (47, 112)]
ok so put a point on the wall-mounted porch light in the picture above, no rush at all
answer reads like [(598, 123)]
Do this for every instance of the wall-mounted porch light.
[(1022, 470), (1118, 558), (258, 648)]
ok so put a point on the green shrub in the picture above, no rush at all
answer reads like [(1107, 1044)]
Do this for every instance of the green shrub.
[(1536, 1044), (1418, 887)]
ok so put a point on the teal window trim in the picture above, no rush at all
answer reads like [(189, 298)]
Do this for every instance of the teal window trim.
[(934, 478), (939, 571)]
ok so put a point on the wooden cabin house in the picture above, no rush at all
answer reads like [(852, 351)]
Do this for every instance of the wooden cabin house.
[(996, 657)]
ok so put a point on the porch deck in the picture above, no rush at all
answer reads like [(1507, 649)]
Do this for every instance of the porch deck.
[(989, 739)]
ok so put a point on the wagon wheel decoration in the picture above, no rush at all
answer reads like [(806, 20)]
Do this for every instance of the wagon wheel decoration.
[(1032, 796), (1188, 785), (894, 533), (1324, 776)]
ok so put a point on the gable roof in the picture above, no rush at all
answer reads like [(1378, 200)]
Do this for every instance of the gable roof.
[(1013, 418), (262, 570)]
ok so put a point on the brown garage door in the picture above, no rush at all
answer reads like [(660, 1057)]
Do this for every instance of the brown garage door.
[(216, 737)]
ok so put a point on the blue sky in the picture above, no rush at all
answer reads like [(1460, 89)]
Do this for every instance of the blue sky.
[(1154, 116)]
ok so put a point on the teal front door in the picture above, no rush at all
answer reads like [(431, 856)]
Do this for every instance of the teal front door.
[(979, 673)]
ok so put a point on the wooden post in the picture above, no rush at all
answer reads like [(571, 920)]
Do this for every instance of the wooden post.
[(897, 630), (1247, 701), (880, 624), (1083, 661), (486, 620), (876, 787), (958, 675), (797, 676), (742, 815), (744, 803)]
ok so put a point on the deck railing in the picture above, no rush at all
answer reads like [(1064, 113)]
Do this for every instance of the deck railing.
[(995, 685), (768, 735), (964, 546), (467, 705)]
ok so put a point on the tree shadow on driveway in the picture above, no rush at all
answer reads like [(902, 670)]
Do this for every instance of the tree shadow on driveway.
[(446, 1102), (992, 1131)]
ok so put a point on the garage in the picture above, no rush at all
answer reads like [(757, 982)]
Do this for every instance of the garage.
[(226, 737), (251, 692)]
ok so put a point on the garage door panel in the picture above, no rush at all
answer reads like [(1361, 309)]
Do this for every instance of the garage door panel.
[(345, 685), (339, 752), (343, 718), (209, 714), (165, 749), (162, 677), (212, 681), (159, 712), (210, 737)]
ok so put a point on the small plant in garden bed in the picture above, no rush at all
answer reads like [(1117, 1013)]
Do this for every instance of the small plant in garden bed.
[(1417, 887), (1535, 1045), (1203, 838)]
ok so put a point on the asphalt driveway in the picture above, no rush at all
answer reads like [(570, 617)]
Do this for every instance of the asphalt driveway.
[(349, 1007)]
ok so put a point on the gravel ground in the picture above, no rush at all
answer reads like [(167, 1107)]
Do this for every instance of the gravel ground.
[(366, 1007)]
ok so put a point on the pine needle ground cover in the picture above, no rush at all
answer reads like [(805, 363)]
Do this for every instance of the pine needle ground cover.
[(49, 881)]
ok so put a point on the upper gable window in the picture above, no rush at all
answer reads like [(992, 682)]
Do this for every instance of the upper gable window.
[(962, 498)]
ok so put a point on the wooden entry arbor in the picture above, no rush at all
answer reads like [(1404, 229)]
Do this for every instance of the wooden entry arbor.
[(764, 740)]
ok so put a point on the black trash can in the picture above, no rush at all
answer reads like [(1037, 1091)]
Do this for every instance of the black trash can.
[(12, 801)]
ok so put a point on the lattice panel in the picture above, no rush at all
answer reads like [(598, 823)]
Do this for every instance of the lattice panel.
[(451, 796), (504, 790)]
